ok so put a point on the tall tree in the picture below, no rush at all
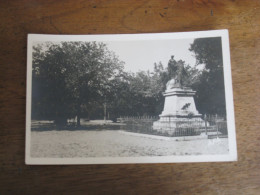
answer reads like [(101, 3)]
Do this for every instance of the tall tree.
[(69, 75), (210, 88)]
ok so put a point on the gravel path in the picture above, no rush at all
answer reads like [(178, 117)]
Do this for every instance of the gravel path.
[(115, 144)]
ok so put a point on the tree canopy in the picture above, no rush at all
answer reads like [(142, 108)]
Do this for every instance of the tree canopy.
[(68, 76), (210, 97), (82, 78)]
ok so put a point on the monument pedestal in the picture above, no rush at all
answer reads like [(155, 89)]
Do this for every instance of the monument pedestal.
[(179, 113)]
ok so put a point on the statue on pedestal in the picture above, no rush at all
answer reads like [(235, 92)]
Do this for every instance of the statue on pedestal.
[(179, 106)]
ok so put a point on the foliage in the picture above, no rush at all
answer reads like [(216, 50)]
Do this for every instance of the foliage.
[(136, 95), (210, 96), (70, 75)]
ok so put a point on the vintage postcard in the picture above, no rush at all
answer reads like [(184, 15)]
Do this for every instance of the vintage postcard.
[(129, 98)]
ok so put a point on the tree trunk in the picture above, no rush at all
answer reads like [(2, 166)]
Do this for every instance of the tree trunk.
[(78, 120), (78, 115)]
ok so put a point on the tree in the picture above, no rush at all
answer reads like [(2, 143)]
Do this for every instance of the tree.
[(210, 96), (137, 94), (119, 97), (68, 76)]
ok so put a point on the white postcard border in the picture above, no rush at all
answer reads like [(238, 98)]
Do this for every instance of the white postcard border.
[(231, 156)]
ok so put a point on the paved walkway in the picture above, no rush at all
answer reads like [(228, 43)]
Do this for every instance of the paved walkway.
[(116, 144)]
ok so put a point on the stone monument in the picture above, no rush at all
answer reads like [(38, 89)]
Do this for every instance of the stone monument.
[(179, 108)]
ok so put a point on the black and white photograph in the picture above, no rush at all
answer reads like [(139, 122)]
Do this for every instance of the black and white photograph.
[(129, 98)]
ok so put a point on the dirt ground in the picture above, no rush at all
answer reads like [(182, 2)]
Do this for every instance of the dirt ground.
[(115, 144)]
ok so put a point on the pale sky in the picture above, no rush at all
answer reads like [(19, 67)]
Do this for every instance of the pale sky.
[(141, 55)]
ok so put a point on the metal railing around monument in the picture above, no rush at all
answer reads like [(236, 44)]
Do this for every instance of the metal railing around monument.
[(139, 124), (212, 125)]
